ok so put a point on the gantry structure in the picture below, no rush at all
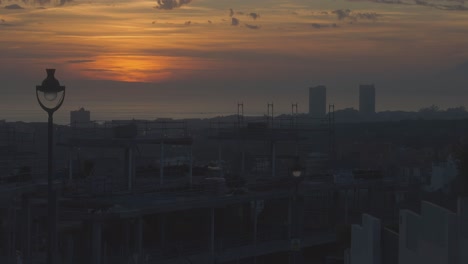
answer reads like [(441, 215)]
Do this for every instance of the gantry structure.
[(121, 216)]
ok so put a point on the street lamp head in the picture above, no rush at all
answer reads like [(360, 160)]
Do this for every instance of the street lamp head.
[(297, 169), (50, 94), (297, 173)]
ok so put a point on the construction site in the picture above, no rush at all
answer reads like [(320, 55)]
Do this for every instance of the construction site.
[(240, 189)]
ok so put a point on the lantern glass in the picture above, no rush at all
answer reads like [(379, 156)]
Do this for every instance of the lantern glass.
[(297, 173), (50, 96)]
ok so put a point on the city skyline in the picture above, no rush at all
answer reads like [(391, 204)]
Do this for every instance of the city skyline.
[(204, 56), (121, 142)]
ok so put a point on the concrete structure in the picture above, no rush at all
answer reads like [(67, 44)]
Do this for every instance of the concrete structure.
[(367, 99), (365, 241), (463, 229), (436, 235), (318, 101), (430, 237), (80, 117)]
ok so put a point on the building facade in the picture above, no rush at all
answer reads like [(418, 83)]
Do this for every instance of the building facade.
[(318, 101), (367, 99), (80, 117)]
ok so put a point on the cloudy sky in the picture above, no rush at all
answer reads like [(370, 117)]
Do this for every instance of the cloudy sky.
[(146, 59)]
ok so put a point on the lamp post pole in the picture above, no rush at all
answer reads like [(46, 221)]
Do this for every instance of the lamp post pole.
[(297, 173), (51, 194), (47, 97)]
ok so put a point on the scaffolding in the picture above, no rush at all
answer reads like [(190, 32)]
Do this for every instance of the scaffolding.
[(132, 137), (295, 132)]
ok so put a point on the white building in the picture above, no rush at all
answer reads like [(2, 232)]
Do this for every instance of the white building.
[(435, 236), (80, 117)]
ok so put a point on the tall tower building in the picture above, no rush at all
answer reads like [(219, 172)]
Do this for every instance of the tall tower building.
[(318, 101), (367, 99)]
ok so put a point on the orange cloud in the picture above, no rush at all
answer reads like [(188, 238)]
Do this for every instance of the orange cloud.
[(135, 68)]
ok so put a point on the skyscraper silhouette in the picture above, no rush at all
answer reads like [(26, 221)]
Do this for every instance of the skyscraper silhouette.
[(367, 99), (318, 101)]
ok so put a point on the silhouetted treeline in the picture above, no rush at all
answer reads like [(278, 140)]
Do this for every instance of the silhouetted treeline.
[(427, 113)]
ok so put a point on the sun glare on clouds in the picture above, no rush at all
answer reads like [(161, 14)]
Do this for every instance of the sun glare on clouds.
[(134, 68), (133, 41)]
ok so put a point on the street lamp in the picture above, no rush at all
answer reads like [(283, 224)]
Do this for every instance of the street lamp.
[(50, 96), (296, 173)]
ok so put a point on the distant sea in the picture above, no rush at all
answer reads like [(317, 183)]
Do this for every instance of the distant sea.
[(103, 113), (117, 101), (62, 116)]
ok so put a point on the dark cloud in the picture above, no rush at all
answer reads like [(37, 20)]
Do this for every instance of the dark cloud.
[(321, 13), (454, 8), (368, 16), (252, 26), (418, 2), (13, 6), (36, 3), (235, 21), (79, 61), (381, 1), (316, 25), (441, 4), (254, 15), (210, 22), (438, 4), (171, 4), (188, 23), (319, 26), (63, 2), (342, 13), (388, 1)]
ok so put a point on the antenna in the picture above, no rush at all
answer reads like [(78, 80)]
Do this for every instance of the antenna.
[(293, 114), (294, 109), (240, 113), (270, 114)]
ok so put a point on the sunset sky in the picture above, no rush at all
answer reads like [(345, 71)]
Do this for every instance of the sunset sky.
[(147, 59)]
